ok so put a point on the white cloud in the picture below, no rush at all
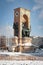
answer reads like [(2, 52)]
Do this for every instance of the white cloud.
[(10, 0), (37, 6), (39, 1), (7, 31), (41, 14), (40, 27)]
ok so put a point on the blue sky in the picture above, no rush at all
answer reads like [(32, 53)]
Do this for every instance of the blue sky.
[(7, 15)]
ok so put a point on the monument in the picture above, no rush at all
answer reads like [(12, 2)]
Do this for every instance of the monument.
[(22, 27)]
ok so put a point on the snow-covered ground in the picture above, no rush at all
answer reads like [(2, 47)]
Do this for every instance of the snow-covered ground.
[(14, 53), (37, 53), (3, 62)]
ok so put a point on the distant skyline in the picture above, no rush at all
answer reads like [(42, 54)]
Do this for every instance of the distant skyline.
[(7, 16)]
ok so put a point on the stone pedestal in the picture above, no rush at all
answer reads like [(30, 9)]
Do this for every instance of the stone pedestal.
[(24, 44), (26, 40), (20, 44)]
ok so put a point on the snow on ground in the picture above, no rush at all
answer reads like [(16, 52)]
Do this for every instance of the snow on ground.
[(19, 53), (21, 62)]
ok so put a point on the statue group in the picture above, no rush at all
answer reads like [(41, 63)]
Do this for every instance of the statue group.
[(25, 30)]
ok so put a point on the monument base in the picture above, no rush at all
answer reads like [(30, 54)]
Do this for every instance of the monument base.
[(22, 45), (25, 45)]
